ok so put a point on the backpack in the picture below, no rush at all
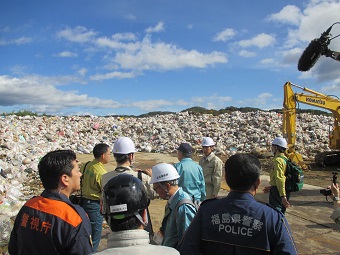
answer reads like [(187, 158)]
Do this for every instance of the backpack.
[(294, 176), (193, 202), (148, 227), (77, 198)]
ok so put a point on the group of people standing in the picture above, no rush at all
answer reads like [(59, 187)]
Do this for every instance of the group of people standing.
[(235, 224), (82, 226)]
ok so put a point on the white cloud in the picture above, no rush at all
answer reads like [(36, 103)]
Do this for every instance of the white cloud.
[(225, 35), (162, 56), (332, 87), (267, 61), (314, 20), (19, 41), (82, 71), (212, 102), (23, 40), (78, 34), (290, 14), (130, 17), (5, 29), (154, 105), (260, 100), (111, 75), (29, 90), (247, 54), (317, 17), (67, 54), (139, 55), (291, 56), (19, 69), (150, 105), (158, 28), (260, 41), (124, 37), (116, 44)]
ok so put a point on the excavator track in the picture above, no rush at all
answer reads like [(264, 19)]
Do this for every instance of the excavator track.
[(327, 158)]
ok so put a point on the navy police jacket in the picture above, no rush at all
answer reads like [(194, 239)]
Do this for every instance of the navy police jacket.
[(239, 225), (51, 224)]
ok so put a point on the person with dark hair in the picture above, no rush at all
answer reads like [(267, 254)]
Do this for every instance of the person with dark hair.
[(50, 223), (278, 194), (124, 206), (191, 178), (92, 188), (237, 223)]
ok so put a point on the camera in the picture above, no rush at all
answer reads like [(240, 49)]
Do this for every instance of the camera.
[(328, 192)]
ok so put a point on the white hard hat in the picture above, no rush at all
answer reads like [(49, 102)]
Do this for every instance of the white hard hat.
[(280, 141), (207, 141), (124, 145), (163, 172)]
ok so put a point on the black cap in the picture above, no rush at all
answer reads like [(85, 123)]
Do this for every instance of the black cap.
[(185, 148)]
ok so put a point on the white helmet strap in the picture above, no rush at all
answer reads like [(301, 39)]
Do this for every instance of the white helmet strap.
[(131, 158), (166, 191), (141, 219)]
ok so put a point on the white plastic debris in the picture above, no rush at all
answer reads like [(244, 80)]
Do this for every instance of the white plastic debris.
[(24, 140)]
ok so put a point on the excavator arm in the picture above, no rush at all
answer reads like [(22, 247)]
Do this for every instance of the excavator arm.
[(289, 116), (289, 124)]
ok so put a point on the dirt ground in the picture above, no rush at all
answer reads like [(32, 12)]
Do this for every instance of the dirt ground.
[(317, 176)]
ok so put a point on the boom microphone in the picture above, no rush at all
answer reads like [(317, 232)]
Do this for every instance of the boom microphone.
[(313, 51)]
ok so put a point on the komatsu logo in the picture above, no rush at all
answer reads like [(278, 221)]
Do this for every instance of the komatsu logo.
[(315, 101)]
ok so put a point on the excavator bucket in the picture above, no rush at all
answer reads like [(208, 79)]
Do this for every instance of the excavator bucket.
[(297, 159)]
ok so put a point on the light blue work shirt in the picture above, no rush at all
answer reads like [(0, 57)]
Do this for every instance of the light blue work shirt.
[(177, 223), (191, 178)]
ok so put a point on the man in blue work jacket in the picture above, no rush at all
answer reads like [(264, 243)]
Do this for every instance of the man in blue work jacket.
[(179, 210), (238, 224), (191, 178)]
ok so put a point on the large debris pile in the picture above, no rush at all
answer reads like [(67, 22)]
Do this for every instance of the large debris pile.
[(24, 140)]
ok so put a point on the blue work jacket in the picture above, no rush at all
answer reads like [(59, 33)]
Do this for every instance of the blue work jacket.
[(177, 223), (191, 178)]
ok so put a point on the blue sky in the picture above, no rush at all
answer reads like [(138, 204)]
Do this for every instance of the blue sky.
[(131, 57)]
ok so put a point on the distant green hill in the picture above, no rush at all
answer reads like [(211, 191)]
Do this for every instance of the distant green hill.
[(193, 110), (200, 110)]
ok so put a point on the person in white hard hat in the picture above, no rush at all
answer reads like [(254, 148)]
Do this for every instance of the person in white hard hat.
[(179, 210), (278, 195), (212, 168), (124, 153)]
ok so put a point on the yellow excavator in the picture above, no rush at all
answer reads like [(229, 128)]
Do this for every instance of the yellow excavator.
[(316, 99)]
